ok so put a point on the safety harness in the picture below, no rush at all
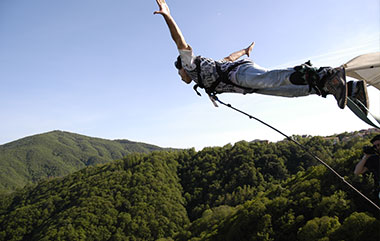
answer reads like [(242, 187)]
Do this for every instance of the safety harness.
[(223, 78), (307, 74)]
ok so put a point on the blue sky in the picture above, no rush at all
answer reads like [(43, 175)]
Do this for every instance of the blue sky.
[(105, 68)]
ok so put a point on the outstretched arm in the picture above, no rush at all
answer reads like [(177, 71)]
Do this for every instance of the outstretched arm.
[(234, 56), (175, 32)]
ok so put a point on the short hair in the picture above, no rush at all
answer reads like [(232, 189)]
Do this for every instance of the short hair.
[(376, 138), (178, 62)]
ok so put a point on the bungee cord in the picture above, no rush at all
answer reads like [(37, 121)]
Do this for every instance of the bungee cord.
[(215, 98)]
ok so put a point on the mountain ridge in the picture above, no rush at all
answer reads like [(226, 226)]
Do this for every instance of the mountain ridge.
[(58, 153), (245, 191)]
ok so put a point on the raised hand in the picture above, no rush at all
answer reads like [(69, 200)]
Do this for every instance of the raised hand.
[(249, 49), (164, 8), (175, 32)]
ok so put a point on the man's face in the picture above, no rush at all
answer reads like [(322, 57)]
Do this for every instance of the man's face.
[(184, 76), (376, 144)]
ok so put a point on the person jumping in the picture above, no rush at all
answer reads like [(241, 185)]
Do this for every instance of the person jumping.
[(235, 75)]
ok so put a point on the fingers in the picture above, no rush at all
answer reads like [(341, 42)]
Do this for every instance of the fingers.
[(162, 5), (159, 2), (249, 49)]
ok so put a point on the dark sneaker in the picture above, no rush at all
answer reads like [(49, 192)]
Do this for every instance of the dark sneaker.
[(336, 85), (357, 92)]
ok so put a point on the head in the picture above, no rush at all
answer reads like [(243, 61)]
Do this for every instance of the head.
[(181, 71), (376, 142)]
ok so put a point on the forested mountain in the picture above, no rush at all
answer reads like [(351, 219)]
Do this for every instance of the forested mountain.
[(56, 154), (246, 191)]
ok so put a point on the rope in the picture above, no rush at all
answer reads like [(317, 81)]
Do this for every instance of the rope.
[(303, 147)]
